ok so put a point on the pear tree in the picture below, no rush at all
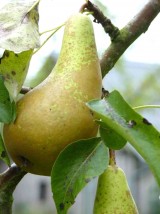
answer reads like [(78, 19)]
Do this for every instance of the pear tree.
[(68, 126)]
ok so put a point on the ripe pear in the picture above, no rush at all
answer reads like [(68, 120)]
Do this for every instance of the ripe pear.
[(113, 193), (54, 113)]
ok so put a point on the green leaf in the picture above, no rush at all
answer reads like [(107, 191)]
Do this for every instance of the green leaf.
[(111, 138), (19, 26), (75, 167), (7, 108), (138, 131), (3, 153), (14, 68)]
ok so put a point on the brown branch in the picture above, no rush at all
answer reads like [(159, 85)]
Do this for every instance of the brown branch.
[(8, 182), (99, 17), (122, 39), (138, 25)]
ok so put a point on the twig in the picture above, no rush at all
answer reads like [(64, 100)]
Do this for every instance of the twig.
[(105, 93), (8, 182), (99, 17)]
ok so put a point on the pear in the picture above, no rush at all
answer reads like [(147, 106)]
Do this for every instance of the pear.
[(113, 194), (54, 113)]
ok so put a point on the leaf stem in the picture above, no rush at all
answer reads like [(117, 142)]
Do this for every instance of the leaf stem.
[(54, 31), (146, 106), (34, 5)]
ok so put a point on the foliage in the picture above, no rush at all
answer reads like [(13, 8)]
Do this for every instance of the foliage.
[(14, 68), (77, 165), (138, 131), (7, 107)]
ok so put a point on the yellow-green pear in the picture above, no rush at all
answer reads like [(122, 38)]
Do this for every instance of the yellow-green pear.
[(54, 114), (113, 193)]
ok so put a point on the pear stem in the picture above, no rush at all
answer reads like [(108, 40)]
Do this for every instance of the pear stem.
[(112, 158), (8, 182)]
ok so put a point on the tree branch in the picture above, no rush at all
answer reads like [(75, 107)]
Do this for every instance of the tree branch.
[(122, 39), (99, 17), (8, 182), (138, 25)]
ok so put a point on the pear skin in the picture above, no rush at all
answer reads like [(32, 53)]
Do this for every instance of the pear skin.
[(54, 114), (113, 194)]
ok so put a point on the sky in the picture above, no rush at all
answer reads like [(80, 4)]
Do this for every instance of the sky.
[(145, 49), (55, 12)]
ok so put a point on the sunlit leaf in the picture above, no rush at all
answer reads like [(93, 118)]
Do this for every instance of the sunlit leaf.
[(138, 131), (75, 167), (3, 153), (19, 26), (14, 69), (7, 107)]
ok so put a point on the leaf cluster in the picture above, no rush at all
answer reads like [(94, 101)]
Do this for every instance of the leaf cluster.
[(119, 124)]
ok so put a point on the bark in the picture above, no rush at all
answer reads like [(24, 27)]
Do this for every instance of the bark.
[(8, 182), (122, 39), (138, 25)]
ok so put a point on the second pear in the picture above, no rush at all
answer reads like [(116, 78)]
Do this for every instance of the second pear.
[(113, 193)]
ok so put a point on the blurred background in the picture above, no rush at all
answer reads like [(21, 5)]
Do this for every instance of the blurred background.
[(135, 76)]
